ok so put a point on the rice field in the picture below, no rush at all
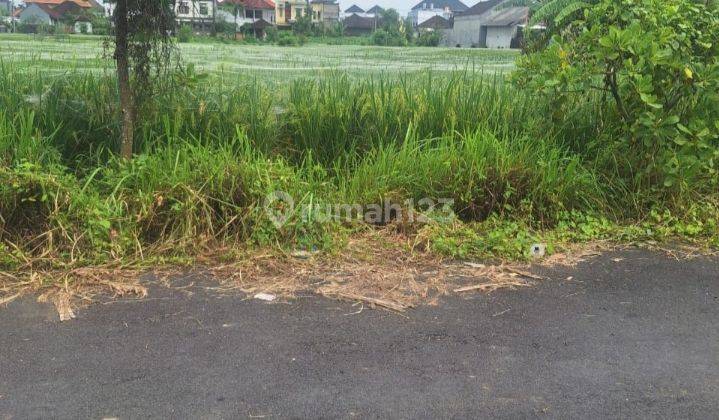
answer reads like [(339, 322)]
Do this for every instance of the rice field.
[(269, 62)]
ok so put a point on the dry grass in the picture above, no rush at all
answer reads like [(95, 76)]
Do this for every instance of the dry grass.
[(380, 269)]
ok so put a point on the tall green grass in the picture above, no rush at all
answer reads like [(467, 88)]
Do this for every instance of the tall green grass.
[(207, 155)]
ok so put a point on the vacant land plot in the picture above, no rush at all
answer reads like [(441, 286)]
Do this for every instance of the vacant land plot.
[(264, 61)]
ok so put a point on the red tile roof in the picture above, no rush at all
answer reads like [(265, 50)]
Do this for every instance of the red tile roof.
[(253, 4), (52, 3)]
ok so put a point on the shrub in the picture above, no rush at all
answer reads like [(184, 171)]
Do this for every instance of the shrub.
[(429, 39), (184, 34), (288, 39), (272, 34), (656, 63), (100, 25), (388, 39)]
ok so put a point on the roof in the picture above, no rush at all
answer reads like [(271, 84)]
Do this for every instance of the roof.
[(508, 17), (375, 9), (258, 4), (354, 9), (253, 4), (258, 24), (355, 21), (480, 8), (68, 7), (435, 22), (453, 5), (52, 3), (45, 8)]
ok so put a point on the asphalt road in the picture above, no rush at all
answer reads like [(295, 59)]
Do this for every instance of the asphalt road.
[(636, 338)]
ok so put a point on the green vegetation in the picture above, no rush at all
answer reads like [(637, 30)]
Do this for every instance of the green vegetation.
[(543, 158)]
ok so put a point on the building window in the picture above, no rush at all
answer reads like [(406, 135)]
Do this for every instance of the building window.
[(282, 12), (203, 9), (249, 14), (298, 12), (183, 8)]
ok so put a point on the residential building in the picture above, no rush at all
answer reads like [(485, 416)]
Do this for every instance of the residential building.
[(503, 28), (287, 11), (427, 9), (83, 4), (468, 24), (355, 25), (352, 10), (250, 16), (250, 11), (51, 13), (325, 13), (198, 14)]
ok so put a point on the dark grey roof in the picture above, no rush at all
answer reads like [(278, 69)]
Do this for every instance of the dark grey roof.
[(453, 5), (480, 8), (508, 17), (355, 21), (435, 22), (354, 9), (375, 9)]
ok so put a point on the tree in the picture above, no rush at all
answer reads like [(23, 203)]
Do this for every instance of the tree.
[(143, 48)]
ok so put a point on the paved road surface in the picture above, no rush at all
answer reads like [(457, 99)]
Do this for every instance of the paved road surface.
[(634, 338)]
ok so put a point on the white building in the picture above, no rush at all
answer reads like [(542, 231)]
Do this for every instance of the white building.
[(199, 14), (485, 25)]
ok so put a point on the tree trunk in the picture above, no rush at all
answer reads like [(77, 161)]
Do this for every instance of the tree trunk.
[(123, 79)]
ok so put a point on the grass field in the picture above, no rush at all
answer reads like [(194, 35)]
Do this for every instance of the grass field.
[(268, 62)]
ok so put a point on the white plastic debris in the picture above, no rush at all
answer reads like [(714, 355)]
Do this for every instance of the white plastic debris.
[(538, 250), (267, 297), (474, 265), (303, 255)]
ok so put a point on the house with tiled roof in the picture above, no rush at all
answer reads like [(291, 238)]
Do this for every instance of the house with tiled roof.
[(427, 9), (54, 3), (252, 15), (74, 13)]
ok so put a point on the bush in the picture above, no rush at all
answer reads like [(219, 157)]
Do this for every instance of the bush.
[(100, 24), (388, 39), (429, 39), (225, 29), (288, 39), (184, 34), (655, 63), (272, 34)]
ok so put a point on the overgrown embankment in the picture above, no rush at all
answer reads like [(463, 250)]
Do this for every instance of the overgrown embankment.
[(208, 156)]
